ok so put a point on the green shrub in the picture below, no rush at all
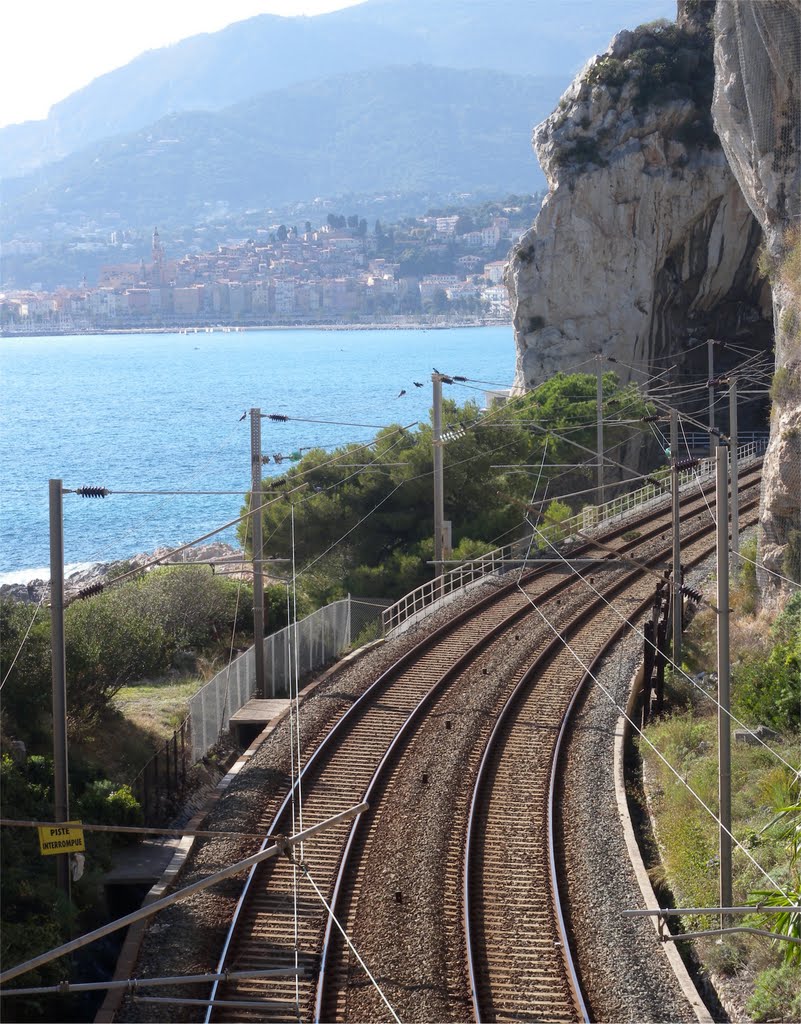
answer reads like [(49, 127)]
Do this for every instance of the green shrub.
[(777, 994), (106, 803), (765, 690), (26, 692), (786, 385), (109, 643), (747, 590), (608, 71)]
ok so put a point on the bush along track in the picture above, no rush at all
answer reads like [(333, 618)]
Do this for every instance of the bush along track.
[(758, 978)]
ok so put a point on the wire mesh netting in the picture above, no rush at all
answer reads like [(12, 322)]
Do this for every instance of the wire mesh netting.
[(757, 107), (300, 648), (757, 112)]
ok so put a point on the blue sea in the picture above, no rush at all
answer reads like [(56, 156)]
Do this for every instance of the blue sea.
[(162, 412)]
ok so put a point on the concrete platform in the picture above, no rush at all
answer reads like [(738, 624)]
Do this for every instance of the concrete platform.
[(144, 863), (253, 717)]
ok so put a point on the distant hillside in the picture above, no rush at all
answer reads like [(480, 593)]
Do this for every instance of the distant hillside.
[(419, 129), (212, 71)]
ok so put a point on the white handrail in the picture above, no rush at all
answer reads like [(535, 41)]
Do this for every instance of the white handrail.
[(428, 594)]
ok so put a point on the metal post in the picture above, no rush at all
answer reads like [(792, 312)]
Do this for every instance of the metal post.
[(60, 760), (439, 495), (239, 867), (724, 722), (735, 477), (599, 401), (258, 579), (676, 603), (710, 355)]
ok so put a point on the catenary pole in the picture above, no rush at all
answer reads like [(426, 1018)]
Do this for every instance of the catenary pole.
[(735, 476), (676, 605), (724, 722), (439, 492), (256, 500), (280, 844), (599, 425), (710, 358), (61, 806)]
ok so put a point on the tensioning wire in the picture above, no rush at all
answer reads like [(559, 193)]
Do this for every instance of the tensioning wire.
[(642, 735), (677, 668)]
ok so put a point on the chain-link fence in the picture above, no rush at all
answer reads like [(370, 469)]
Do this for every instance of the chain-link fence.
[(303, 647)]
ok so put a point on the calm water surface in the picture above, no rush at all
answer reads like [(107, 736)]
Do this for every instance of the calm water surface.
[(162, 412)]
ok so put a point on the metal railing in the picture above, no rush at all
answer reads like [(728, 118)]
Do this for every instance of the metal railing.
[(300, 648), (590, 517), (161, 783), (698, 440)]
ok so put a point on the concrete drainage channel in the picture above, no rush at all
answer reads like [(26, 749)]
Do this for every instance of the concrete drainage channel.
[(623, 741)]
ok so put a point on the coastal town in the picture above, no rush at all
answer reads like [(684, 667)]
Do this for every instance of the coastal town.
[(429, 268)]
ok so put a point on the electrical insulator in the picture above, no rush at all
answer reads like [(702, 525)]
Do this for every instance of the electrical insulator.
[(692, 593), (277, 417), (90, 591), (650, 419), (265, 459), (278, 459), (686, 463), (446, 380), (295, 457), (92, 492), (461, 380)]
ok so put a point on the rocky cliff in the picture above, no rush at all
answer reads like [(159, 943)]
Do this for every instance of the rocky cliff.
[(757, 114), (645, 245)]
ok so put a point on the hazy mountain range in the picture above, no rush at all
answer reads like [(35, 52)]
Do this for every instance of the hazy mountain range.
[(387, 95)]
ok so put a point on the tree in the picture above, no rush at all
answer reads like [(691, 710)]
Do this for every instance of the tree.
[(371, 533), (282, 233), (438, 303), (26, 693), (353, 221)]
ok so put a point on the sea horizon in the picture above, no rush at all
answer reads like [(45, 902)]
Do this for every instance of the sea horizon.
[(164, 411)]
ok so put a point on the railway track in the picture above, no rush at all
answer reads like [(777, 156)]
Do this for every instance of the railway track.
[(471, 929)]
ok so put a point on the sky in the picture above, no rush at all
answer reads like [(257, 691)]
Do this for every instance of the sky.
[(53, 47)]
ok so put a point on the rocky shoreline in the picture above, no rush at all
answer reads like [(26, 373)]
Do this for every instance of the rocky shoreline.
[(34, 590)]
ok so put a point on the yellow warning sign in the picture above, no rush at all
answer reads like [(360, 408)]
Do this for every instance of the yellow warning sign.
[(60, 839)]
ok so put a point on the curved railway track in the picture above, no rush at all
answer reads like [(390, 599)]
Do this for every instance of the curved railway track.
[(476, 933)]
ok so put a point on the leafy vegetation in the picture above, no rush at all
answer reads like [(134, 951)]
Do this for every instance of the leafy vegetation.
[(389, 556), (127, 633), (113, 640), (766, 813), (668, 63), (766, 689)]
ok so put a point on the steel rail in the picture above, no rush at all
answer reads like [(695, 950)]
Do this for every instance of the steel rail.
[(425, 646), (389, 760), (498, 735), (456, 667)]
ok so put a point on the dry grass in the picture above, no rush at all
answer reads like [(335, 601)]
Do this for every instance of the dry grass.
[(157, 707), (145, 716)]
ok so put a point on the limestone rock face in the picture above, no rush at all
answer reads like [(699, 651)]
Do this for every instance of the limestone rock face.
[(644, 246), (757, 112)]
